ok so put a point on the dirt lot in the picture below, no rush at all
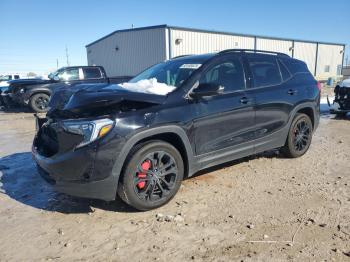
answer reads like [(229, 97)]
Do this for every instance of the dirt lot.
[(262, 208)]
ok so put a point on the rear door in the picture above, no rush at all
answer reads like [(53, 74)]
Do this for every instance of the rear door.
[(274, 97), (224, 122)]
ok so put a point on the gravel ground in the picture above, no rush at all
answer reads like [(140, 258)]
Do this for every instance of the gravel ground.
[(261, 208)]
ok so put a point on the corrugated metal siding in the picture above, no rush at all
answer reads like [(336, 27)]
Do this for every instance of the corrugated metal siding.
[(274, 45), (328, 55), (307, 53), (201, 43), (137, 50)]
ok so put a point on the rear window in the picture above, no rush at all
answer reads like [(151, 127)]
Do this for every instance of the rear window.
[(92, 73), (265, 71)]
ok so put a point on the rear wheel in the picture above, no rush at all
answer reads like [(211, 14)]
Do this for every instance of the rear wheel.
[(152, 175), (39, 102), (299, 136)]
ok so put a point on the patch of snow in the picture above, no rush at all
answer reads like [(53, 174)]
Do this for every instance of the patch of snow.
[(150, 86)]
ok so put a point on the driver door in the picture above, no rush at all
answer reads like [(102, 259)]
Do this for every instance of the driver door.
[(224, 123)]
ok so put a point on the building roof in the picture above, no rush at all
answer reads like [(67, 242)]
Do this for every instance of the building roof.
[(213, 32)]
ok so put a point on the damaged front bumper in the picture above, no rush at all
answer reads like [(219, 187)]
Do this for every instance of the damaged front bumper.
[(83, 172)]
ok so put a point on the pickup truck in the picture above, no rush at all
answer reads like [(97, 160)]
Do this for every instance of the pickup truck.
[(36, 93)]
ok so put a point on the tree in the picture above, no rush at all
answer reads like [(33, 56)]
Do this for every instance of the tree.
[(31, 74)]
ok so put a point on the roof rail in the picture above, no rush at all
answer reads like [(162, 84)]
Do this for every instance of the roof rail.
[(252, 51), (179, 56)]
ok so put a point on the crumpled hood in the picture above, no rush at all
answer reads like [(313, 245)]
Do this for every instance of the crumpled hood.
[(85, 98)]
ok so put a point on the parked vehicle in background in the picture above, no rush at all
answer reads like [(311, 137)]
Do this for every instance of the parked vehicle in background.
[(36, 92), (341, 102), (4, 79), (140, 139)]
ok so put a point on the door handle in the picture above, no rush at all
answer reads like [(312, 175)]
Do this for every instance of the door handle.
[(292, 92), (244, 100)]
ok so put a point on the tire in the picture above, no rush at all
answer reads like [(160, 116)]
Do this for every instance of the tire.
[(299, 139), (142, 190), (39, 102)]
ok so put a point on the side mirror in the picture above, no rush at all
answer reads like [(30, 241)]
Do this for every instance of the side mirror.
[(56, 78), (207, 89)]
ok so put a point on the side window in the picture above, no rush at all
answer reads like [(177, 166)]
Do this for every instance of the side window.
[(284, 71), (265, 71), (16, 76), (92, 73), (228, 73), (10, 77), (69, 74)]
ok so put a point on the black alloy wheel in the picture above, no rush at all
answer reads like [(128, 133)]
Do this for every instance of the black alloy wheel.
[(152, 175), (299, 136)]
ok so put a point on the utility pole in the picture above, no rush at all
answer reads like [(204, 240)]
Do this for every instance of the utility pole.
[(346, 60), (67, 56), (57, 63)]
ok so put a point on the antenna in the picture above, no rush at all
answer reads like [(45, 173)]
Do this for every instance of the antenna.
[(67, 56)]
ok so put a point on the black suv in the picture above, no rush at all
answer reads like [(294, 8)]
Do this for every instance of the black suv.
[(142, 138), (36, 92)]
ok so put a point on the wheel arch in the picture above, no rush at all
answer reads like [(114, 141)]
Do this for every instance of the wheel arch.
[(173, 135), (309, 111)]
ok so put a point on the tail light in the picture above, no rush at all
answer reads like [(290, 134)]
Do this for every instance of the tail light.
[(319, 86)]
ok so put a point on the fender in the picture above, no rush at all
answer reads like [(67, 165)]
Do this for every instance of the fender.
[(131, 142), (30, 92)]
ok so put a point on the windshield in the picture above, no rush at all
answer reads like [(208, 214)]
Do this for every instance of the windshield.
[(165, 77), (172, 72)]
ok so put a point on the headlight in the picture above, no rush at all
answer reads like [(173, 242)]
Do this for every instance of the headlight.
[(90, 130)]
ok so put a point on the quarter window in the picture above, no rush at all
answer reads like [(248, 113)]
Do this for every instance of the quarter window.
[(228, 73), (265, 71), (284, 71), (92, 73)]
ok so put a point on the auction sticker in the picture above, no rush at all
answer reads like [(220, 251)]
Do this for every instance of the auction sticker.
[(190, 66)]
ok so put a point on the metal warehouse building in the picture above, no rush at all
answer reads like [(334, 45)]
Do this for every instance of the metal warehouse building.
[(128, 52)]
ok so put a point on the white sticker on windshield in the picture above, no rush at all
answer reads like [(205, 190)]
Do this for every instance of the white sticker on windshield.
[(190, 66)]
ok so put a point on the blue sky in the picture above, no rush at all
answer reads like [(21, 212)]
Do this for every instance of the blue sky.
[(35, 33)]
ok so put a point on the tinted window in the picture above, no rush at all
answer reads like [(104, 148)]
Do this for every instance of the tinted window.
[(92, 72), (228, 73), (69, 74), (265, 71), (295, 66), (284, 71)]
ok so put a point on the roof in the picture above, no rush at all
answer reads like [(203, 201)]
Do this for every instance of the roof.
[(213, 32)]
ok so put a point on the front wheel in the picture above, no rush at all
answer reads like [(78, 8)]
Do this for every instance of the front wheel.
[(152, 175), (39, 102), (299, 136)]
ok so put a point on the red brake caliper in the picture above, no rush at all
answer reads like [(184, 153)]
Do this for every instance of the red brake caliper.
[(145, 166)]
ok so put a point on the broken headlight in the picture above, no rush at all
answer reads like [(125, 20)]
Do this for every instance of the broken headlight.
[(90, 130)]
